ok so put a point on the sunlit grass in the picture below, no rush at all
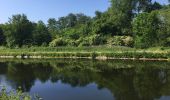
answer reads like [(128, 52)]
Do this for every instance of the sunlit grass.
[(102, 52)]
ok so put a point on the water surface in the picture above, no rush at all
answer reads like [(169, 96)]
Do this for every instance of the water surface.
[(66, 79)]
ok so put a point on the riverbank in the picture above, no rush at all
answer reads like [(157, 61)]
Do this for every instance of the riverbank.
[(102, 53)]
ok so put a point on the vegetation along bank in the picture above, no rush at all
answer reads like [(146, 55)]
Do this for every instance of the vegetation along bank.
[(101, 53), (133, 26)]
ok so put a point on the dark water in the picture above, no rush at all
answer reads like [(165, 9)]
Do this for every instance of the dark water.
[(65, 79)]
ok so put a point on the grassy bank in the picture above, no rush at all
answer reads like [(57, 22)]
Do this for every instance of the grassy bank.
[(101, 52)]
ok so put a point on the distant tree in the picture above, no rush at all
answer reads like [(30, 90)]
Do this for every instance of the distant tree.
[(53, 27), (18, 30), (164, 33), (156, 6), (98, 14), (147, 6), (105, 25), (144, 5), (121, 20), (52, 24), (72, 20), (122, 13), (70, 27), (2, 37), (62, 23), (82, 19), (66, 22), (41, 35)]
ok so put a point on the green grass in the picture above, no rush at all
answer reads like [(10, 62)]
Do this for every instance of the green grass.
[(88, 52), (66, 49)]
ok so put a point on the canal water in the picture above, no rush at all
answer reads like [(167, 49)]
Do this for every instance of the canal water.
[(70, 79)]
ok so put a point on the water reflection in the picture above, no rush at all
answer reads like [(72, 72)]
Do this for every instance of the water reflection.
[(85, 79)]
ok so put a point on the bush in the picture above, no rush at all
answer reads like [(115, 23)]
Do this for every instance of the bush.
[(86, 42), (120, 41), (58, 42), (98, 39)]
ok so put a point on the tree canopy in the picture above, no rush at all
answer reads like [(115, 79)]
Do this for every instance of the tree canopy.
[(134, 23)]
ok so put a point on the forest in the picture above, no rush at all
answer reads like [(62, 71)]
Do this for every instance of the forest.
[(130, 23)]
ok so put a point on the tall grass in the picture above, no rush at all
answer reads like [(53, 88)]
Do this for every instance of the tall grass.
[(66, 49), (86, 52)]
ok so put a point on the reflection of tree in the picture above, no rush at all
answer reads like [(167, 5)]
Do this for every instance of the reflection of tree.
[(42, 71), (119, 82), (3, 68), (74, 78), (22, 75), (139, 83), (147, 81)]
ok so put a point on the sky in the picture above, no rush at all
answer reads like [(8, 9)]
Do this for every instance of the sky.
[(45, 9)]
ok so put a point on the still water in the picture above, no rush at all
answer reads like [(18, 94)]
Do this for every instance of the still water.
[(68, 79)]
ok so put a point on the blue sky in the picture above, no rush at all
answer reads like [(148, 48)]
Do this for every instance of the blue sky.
[(45, 9)]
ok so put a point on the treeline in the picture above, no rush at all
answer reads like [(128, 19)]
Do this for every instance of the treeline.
[(132, 23)]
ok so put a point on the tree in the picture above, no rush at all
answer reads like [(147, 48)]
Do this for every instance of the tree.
[(82, 19), (18, 30), (144, 5), (145, 28), (164, 33), (2, 37), (66, 22), (40, 34), (122, 12), (98, 14), (52, 27), (72, 27), (105, 25), (52, 24), (156, 6), (71, 20)]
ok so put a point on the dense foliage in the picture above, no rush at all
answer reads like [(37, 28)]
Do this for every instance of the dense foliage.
[(132, 23)]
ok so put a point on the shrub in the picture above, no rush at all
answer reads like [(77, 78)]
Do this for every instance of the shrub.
[(58, 42), (127, 41), (86, 42), (120, 41)]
